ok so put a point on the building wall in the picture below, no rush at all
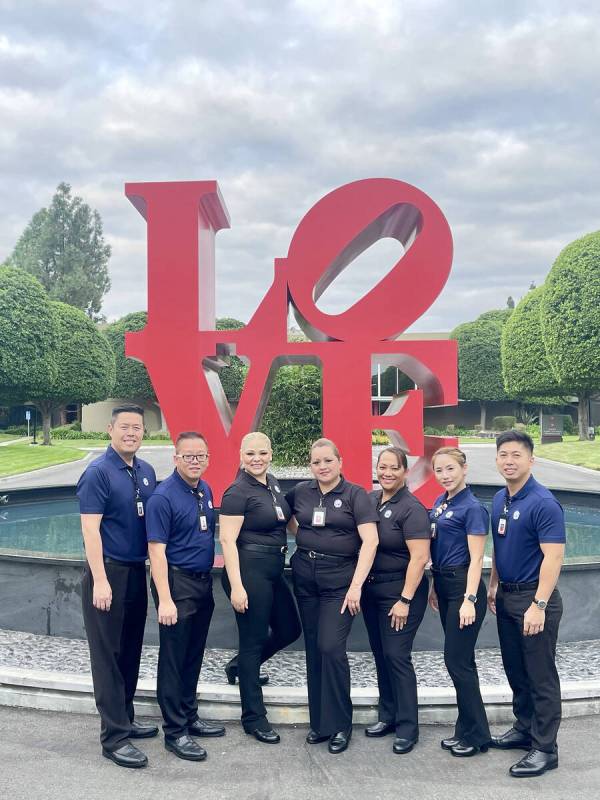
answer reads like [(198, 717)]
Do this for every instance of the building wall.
[(96, 416)]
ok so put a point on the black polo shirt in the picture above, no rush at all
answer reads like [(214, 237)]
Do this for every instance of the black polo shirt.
[(173, 518), (347, 505), (110, 487), (401, 517), (251, 499)]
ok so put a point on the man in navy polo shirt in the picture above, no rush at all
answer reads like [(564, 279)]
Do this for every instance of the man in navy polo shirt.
[(181, 542), (528, 527), (112, 493)]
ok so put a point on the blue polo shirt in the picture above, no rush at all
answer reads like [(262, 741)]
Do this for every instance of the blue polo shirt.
[(463, 516), (534, 516), (172, 518), (108, 487)]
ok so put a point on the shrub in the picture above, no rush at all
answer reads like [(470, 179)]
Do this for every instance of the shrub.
[(568, 426), (503, 423), (66, 432)]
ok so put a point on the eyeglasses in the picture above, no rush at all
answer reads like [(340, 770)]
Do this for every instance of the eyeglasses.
[(189, 459)]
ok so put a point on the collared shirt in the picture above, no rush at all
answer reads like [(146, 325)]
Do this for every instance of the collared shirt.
[(173, 518), (534, 516), (347, 505), (251, 499), (463, 516), (401, 518), (109, 487)]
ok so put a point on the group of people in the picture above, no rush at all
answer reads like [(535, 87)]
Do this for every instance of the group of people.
[(355, 551)]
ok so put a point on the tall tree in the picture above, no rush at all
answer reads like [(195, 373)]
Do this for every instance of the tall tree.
[(570, 316), (131, 377), (63, 247)]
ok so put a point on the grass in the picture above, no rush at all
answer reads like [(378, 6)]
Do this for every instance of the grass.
[(8, 437), (572, 451)]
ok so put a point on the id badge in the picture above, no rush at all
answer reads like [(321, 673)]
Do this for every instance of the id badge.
[(203, 522), (140, 508), (502, 526), (280, 514), (318, 517), (433, 530)]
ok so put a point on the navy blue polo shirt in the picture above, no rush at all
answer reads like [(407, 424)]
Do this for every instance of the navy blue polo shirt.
[(463, 516), (401, 518), (255, 502), (534, 516), (173, 518), (108, 487)]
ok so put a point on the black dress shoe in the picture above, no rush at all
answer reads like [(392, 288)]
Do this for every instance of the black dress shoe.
[(511, 740), (140, 731), (464, 750), (313, 737), (534, 763), (200, 727), (380, 729), (127, 756), (266, 737), (185, 747), (449, 743), (339, 741), (402, 746), (231, 671)]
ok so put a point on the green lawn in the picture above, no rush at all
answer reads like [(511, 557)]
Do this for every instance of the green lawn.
[(8, 437), (572, 451)]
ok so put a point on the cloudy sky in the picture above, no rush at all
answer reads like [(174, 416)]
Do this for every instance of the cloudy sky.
[(491, 108)]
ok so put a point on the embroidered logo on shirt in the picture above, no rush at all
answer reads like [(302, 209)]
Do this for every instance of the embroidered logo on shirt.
[(337, 503), (449, 514), (145, 481), (388, 513), (516, 515)]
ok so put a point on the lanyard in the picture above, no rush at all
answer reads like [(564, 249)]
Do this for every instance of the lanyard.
[(133, 475)]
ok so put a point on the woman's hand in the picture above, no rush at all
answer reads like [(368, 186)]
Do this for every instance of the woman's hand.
[(239, 600), (399, 614), (352, 600), (467, 613), (433, 600)]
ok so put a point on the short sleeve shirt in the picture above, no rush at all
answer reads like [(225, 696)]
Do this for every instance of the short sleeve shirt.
[(111, 487), (347, 505), (533, 517), (173, 518), (452, 520), (251, 499), (401, 518)]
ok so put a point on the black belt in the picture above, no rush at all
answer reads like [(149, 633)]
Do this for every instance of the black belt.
[(264, 548), (385, 577), (314, 555), (450, 570), (518, 587), (190, 573), (137, 564)]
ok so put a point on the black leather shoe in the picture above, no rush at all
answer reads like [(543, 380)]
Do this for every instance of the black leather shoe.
[(200, 727), (449, 743), (464, 750), (185, 747), (266, 737), (534, 763), (139, 731), (312, 737), (402, 746), (380, 729), (340, 741), (511, 740), (127, 756), (231, 671)]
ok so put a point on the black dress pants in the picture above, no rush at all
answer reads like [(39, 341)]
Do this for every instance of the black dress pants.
[(459, 653), (115, 640), (182, 650), (320, 587), (529, 663), (392, 650), (269, 624)]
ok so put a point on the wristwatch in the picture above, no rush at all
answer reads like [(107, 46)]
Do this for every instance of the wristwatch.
[(406, 600), (471, 597), (541, 604)]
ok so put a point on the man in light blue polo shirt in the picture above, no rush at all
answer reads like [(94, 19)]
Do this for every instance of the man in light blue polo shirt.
[(528, 528)]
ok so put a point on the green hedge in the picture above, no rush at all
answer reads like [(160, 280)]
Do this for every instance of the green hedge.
[(503, 423)]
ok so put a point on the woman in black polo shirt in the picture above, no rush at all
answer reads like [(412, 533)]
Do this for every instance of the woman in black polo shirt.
[(334, 520), (252, 524), (395, 599), (459, 525)]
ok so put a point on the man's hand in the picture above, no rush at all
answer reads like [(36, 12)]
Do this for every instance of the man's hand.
[(491, 597), (533, 621), (433, 600), (167, 613), (102, 595)]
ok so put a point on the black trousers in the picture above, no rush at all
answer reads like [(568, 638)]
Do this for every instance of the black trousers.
[(182, 650), (529, 663), (269, 624), (320, 587), (459, 654), (392, 650), (115, 640)]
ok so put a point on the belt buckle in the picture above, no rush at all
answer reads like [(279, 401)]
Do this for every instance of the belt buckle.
[(312, 554), (283, 549)]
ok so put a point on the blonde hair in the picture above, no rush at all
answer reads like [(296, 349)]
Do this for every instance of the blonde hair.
[(255, 435), (326, 443), (453, 452)]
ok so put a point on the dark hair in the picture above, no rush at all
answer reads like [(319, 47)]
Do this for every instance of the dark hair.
[(514, 436), (126, 409), (398, 452), (189, 435)]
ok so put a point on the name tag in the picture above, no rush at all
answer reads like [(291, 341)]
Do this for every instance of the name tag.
[(318, 517), (433, 530), (203, 522), (280, 514), (502, 526), (140, 508)]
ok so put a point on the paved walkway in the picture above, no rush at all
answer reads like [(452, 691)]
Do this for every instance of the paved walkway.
[(52, 756)]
